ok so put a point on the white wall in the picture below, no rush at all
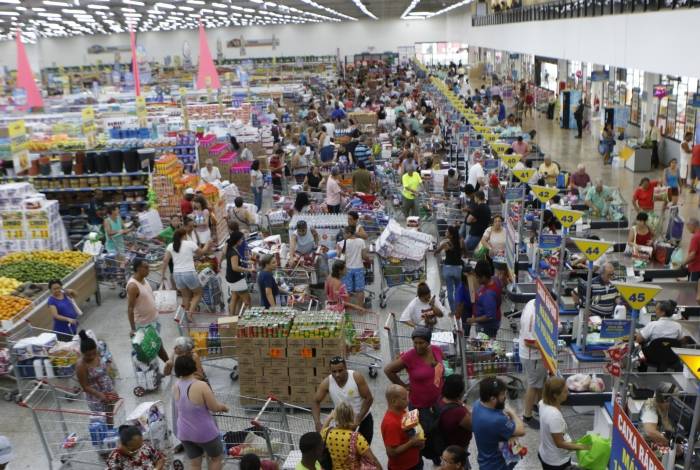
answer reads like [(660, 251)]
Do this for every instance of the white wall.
[(317, 39), (662, 42)]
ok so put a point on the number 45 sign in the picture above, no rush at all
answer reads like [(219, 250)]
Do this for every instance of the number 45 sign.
[(637, 295)]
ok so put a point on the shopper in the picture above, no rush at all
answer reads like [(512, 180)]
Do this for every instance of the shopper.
[(202, 220), (531, 360), (363, 154), (455, 417), (355, 253), (549, 171), (603, 292), (520, 146), (402, 449), (643, 198), (277, 165), (453, 246), (141, 303), (184, 346), (671, 179), (579, 179), (257, 183), (186, 203), (210, 173), (424, 309), (237, 267), (114, 232), (656, 422), (334, 192), (578, 116), (493, 423), (7, 453), (133, 453), (663, 327), (423, 364), (346, 445), (411, 182), (598, 198), (95, 378), (686, 155), (494, 239), (96, 210), (337, 297), (487, 312), (196, 427), (653, 138), (183, 252), (362, 179), (311, 446), (247, 221), (346, 386), (450, 183), (476, 175), (166, 236), (695, 167), (63, 310), (555, 446), (607, 143), (464, 300), (478, 220), (692, 259), (313, 180), (454, 458), (269, 290), (354, 221), (640, 234), (302, 203), (300, 164)]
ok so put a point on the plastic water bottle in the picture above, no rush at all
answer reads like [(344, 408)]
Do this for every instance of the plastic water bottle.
[(38, 368), (49, 369), (97, 429), (111, 441)]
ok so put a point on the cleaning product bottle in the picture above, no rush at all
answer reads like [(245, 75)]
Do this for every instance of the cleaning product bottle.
[(48, 367), (38, 368)]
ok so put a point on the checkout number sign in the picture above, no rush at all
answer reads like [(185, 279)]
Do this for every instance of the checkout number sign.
[(546, 326), (629, 449), (524, 175), (567, 217), (637, 295), (544, 193), (592, 249)]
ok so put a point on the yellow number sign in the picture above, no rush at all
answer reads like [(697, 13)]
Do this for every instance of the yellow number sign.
[(592, 249), (544, 193), (510, 160), (524, 175), (637, 295), (691, 359), (567, 217), (500, 147)]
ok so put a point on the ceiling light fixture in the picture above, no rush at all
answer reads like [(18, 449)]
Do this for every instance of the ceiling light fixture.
[(165, 5), (196, 2), (451, 7), (134, 2), (184, 8), (410, 8), (56, 4), (9, 13), (98, 7)]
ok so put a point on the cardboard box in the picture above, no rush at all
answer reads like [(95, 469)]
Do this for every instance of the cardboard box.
[(301, 374), (248, 370), (296, 343), (302, 389), (276, 371), (277, 342), (334, 343), (313, 342), (248, 390), (271, 361), (328, 354), (247, 360), (274, 352), (300, 352)]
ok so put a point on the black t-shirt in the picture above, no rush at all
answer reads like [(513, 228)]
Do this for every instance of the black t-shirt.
[(314, 181), (482, 214), (231, 275)]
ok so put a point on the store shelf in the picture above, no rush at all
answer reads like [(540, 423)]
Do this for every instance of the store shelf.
[(105, 188), (85, 175)]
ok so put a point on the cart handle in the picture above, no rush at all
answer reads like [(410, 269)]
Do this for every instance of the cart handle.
[(391, 317), (255, 421)]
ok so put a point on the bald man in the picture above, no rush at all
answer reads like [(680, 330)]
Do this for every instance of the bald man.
[(603, 293), (402, 447)]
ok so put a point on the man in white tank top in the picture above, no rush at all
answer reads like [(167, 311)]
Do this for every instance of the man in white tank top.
[(348, 386), (141, 303)]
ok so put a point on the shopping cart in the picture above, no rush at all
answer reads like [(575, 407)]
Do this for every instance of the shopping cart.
[(295, 287), (398, 275), (213, 337), (7, 376), (363, 341), (69, 431), (113, 270)]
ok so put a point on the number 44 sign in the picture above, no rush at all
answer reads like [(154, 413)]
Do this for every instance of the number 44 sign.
[(592, 249)]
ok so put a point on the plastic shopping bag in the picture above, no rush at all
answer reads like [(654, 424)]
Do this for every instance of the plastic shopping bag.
[(165, 300), (597, 458), (146, 343)]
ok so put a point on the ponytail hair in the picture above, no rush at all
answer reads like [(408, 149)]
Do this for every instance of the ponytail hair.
[(86, 343), (177, 239)]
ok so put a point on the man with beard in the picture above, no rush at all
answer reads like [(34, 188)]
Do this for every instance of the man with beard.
[(493, 423)]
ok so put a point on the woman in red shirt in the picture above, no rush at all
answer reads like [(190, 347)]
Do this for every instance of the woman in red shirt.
[(640, 233), (643, 198)]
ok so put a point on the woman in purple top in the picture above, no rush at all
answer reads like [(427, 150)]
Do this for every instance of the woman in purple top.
[(426, 372), (196, 428), (63, 311)]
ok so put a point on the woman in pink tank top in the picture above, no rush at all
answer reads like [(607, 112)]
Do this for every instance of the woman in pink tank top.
[(141, 307)]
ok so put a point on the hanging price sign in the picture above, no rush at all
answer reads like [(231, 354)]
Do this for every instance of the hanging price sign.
[(88, 118), (524, 175), (592, 249), (18, 145), (567, 217), (637, 295), (510, 160), (544, 193), (490, 137), (481, 129), (141, 112), (691, 359), (500, 147)]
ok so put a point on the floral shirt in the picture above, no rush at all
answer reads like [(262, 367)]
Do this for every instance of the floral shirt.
[(144, 459)]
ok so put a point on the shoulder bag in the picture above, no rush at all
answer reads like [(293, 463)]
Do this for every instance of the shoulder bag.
[(359, 462)]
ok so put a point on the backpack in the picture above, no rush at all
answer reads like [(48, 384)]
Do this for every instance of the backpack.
[(435, 442)]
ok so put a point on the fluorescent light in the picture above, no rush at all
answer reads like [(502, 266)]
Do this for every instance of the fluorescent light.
[(14, 2), (410, 8), (184, 8), (98, 7), (196, 2), (56, 4), (218, 5), (9, 13), (165, 5), (134, 2), (74, 12), (451, 7)]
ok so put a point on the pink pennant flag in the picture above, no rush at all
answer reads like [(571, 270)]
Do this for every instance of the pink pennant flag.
[(135, 62), (25, 79), (207, 69)]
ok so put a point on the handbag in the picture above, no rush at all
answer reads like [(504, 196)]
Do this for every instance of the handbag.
[(326, 461), (363, 463), (341, 256), (165, 300)]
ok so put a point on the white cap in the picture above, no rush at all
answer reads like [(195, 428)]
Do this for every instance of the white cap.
[(7, 454), (189, 191)]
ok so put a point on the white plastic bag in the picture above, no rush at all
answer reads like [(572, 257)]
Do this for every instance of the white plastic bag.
[(165, 300), (578, 382)]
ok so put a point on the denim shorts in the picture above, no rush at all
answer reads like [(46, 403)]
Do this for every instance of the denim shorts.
[(354, 280), (188, 280)]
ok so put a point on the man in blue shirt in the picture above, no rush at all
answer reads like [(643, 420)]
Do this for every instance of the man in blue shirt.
[(487, 314), (337, 114), (362, 153), (501, 111), (493, 424)]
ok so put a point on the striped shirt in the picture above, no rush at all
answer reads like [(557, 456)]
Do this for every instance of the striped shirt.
[(602, 296), (362, 154)]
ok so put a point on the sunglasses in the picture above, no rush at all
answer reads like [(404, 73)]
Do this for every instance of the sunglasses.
[(335, 360)]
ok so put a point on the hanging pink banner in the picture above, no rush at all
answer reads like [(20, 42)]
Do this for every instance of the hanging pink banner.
[(207, 75), (135, 62), (25, 78)]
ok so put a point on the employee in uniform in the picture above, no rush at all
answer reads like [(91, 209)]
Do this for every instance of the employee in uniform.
[(663, 327), (350, 387), (654, 415)]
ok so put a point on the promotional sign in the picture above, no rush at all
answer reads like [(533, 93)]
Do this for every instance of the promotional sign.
[(615, 329), (546, 326), (544, 193), (600, 75), (510, 160), (592, 249), (695, 101), (629, 448), (18, 145), (524, 175), (515, 194), (549, 241), (141, 112), (88, 118), (490, 164), (567, 217), (661, 91), (637, 295), (691, 359)]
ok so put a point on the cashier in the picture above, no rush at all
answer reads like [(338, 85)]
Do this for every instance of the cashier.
[(663, 326), (654, 416), (549, 171), (603, 292), (210, 173)]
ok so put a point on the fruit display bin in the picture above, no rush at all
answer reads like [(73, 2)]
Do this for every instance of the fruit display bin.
[(83, 280)]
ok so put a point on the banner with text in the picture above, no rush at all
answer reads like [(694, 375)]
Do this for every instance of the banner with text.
[(547, 326), (629, 449)]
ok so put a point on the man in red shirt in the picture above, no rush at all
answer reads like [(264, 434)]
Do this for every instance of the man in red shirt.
[(402, 448), (692, 260), (695, 165), (643, 199), (186, 204)]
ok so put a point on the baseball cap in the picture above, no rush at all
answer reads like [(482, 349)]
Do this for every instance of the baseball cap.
[(189, 191), (7, 454)]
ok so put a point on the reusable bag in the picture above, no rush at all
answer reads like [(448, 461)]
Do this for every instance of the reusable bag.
[(146, 343), (165, 300), (597, 458)]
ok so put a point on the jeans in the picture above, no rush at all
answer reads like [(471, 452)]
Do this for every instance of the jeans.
[(472, 242), (452, 275), (257, 195)]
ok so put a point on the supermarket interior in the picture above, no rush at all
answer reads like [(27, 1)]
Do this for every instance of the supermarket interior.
[(339, 235)]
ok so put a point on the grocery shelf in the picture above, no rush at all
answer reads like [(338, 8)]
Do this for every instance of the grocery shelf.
[(84, 175), (105, 188)]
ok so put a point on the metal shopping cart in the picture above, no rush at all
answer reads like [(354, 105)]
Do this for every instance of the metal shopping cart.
[(7, 375), (398, 275), (363, 341)]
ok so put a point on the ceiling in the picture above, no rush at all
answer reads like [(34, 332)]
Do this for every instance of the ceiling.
[(62, 18)]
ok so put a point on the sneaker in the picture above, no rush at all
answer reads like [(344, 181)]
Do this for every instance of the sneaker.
[(532, 422), (536, 408)]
